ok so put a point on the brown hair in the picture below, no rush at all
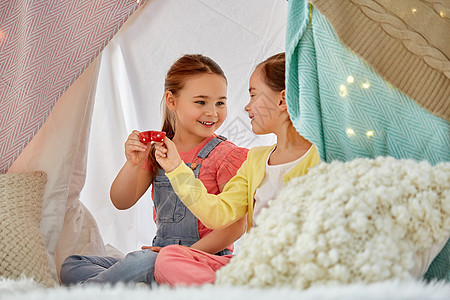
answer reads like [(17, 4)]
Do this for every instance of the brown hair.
[(182, 69), (273, 71)]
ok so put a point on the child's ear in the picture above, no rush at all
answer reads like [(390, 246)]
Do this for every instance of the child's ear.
[(282, 101), (170, 100)]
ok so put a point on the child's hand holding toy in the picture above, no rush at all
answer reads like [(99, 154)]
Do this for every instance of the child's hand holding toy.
[(167, 156)]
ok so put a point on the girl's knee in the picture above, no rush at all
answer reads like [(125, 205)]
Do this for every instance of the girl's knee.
[(67, 267), (141, 257), (164, 261), (168, 251), (69, 263), (72, 258), (166, 254)]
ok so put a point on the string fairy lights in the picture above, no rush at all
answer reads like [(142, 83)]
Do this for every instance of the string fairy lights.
[(350, 79), (369, 133), (342, 90), (350, 132), (365, 85)]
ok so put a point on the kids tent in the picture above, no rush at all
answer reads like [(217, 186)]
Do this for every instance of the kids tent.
[(77, 77)]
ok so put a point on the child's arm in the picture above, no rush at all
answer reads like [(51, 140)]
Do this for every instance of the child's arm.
[(214, 211), (219, 239), (131, 182)]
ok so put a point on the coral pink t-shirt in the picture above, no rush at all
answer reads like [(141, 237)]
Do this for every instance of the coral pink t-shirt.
[(219, 167)]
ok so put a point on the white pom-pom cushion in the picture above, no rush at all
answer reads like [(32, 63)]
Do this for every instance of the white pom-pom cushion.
[(357, 222), (22, 250)]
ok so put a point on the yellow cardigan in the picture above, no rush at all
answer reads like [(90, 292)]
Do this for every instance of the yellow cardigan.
[(236, 199)]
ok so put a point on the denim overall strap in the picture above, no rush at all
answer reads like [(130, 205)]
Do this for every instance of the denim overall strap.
[(175, 224), (206, 150), (210, 146)]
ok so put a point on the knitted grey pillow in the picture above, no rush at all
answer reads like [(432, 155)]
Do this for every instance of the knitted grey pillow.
[(22, 250)]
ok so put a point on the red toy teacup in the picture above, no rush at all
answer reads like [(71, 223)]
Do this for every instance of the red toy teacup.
[(152, 136)]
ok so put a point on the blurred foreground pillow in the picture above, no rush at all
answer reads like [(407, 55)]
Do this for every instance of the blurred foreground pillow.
[(363, 221)]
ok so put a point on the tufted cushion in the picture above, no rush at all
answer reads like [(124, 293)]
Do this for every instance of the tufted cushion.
[(22, 250)]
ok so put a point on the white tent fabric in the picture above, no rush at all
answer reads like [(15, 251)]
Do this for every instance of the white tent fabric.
[(122, 90), (236, 34)]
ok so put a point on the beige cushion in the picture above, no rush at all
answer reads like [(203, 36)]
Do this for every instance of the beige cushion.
[(22, 250)]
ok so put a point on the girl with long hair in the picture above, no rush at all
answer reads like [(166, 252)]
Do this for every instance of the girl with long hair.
[(194, 108)]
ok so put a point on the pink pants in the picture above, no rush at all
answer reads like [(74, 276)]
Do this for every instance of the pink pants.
[(178, 265)]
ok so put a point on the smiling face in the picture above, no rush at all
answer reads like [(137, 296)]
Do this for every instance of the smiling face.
[(200, 106), (263, 108)]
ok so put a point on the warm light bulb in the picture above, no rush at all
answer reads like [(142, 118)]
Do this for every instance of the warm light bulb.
[(350, 79), (366, 85), (350, 132), (343, 90), (414, 10), (442, 14), (369, 133)]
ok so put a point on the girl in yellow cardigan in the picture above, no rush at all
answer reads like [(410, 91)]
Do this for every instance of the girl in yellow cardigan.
[(260, 178)]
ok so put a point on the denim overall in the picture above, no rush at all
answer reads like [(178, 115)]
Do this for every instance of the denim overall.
[(175, 224)]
